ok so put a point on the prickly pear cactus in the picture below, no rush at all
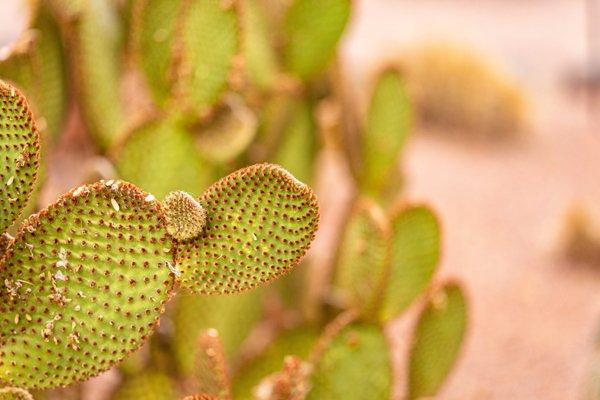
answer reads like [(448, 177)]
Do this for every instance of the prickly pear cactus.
[(84, 281), (153, 27), (363, 257), (19, 152), (313, 29), (206, 44), (261, 221), (387, 128), (437, 341), (414, 257), (11, 393), (358, 354)]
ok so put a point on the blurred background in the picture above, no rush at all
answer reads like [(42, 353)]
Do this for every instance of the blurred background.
[(513, 211)]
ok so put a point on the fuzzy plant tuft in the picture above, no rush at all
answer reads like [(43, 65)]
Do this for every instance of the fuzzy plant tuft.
[(185, 217)]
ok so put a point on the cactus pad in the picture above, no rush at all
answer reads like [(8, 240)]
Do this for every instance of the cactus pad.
[(313, 29), (388, 126), (261, 58), (185, 217), (229, 133), (362, 257), (297, 342), (414, 258), (153, 26), (159, 156), (11, 393), (437, 341), (212, 374), (355, 365), (261, 221), (19, 152), (205, 47), (94, 39), (83, 284)]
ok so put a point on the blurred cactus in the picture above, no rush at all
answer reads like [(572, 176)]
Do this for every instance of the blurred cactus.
[(581, 238), (458, 91)]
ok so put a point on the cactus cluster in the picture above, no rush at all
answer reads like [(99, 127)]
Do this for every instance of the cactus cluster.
[(85, 280), (215, 85)]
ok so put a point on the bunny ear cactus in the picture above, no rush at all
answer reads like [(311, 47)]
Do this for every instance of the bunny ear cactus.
[(11, 393), (92, 31), (20, 152), (291, 383), (85, 280), (206, 47), (437, 341), (153, 27), (387, 128), (415, 254), (350, 351), (313, 29), (261, 221), (363, 257)]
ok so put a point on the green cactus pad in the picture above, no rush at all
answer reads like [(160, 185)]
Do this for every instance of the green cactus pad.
[(261, 221), (296, 151), (313, 29), (11, 393), (233, 316), (16, 65), (388, 126), (205, 47), (297, 342), (437, 341), (51, 97), (148, 385), (19, 152), (229, 133), (95, 42), (83, 285), (212, 372), (415, 256), (355, 365), (261, 59), (153, 28), (363, 256), (159, 156)]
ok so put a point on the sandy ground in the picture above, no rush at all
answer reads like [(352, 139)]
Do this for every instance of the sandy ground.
[(533, 317)]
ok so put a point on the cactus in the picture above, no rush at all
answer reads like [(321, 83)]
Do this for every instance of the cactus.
[(86, 279), (312, 29), (211, 372), (437, 341), (206, 48), (20, 144), (149, 385)]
